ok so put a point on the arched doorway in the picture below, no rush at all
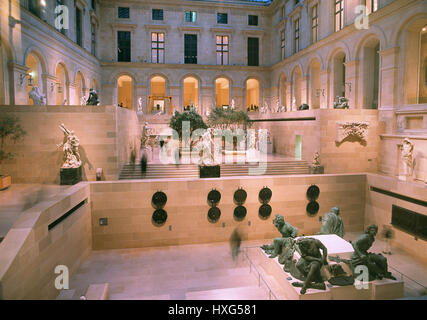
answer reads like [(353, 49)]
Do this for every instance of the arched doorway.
[(339, 75), (222, 92), (34, 72), (314, 91), (80, 89), (252, 95), (370, 58), (125, 92), (191, 93), (296, 88), (61, 85), (157, 100)]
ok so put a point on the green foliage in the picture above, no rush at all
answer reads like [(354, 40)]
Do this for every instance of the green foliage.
[(196, 121), (228, 118), (10, 128)]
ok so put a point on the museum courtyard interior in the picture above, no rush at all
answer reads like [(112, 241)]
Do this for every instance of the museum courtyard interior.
[(209, 150)]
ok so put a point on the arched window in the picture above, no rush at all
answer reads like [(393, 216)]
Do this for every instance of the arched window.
[(222, 92), (157, 99), (252, 95), (371, 73), (125, 92), (296, 88), (34, 75), (339, 74)]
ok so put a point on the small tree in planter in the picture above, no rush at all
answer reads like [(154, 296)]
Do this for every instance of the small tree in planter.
[(10, 128), (196, 122), (228, 118)]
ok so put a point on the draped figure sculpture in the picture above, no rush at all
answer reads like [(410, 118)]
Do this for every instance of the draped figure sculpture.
[(332, 223)]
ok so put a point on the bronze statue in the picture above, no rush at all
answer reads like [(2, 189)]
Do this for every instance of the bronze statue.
[(332, 223), (93, 98), (310, 263), (376, 263), (287, 231)]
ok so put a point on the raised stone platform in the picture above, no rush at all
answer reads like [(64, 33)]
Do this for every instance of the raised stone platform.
[(385, 289)]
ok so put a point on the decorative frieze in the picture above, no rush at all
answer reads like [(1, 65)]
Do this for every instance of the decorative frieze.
[(355, 130)]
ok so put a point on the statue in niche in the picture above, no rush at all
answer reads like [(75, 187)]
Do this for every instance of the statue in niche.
[(332, 223), (70, 146), (407, 157), (376, 263), (316, 160), (310, 263), (283, 247), (93, 98), (341, 103), (38, 98)]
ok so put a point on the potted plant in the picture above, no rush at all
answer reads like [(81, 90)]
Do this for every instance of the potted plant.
[(195, 119), (10, 129)]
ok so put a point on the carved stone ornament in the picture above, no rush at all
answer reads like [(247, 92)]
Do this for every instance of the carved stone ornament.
[(357, 130)]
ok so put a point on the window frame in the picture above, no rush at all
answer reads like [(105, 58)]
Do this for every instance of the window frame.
[(339, 13), (297, 35), (118, 45), (122, 8), (255, 62), (221, 51), (222, 14), (155, 46), (249, 20), (315, 23), (191, 15), (190, 59), (283, 44), (154, 16)]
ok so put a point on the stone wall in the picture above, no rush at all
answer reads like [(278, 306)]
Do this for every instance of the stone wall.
[(127, 205), (30, 252), (105, 135), (378, 210), (319, 135)]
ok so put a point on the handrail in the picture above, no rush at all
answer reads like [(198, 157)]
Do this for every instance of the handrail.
[(251, 264), (404, 275)]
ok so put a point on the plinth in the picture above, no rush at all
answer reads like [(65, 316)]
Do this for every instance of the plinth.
[(210, 171), (316, 169), (70, 176)]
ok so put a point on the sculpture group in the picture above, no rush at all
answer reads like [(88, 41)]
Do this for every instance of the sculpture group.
[(313, 268), (70, 147)]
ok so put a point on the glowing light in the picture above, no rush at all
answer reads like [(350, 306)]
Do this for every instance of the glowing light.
[(43, 3)]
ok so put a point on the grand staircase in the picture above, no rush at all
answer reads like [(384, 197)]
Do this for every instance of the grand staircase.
[(161, 171)]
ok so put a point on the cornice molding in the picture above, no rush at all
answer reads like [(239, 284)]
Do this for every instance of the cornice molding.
[(125, 26)]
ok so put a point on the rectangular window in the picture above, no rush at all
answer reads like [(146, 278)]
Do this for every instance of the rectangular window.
[(315, 24), (93, 38), (190, 16), (124, 13), (123, 46), (253, 51), (157, 47), (78, 26), (371, 6), (252, 20), (222, 50), (339, 15), (282, 44), (296, 35), (157, 14), (222, 18), (190, 48)]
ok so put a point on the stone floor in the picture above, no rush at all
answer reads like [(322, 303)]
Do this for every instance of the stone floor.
[(20, 197), (204, 271)]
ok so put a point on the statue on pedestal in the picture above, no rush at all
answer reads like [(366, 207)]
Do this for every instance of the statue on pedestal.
[(376, 263), (341, 103), (407, 157), (71, 149), (93, 98), (332, 223), (39, 99), (310, 263), (316, 160), (140, 106)]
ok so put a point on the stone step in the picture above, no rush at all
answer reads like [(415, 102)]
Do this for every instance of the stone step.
[(242, 293)]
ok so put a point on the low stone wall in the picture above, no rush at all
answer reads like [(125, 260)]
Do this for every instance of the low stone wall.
[(319, 135), (378, 210), (30, 252), (106, 135), (127, 205)]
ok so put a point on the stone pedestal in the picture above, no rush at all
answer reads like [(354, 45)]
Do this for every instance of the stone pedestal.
[(270, 148), (5, 182), (70, 176), (316, 169), (209, 171)]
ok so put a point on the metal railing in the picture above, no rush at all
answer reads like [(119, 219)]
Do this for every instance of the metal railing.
[(252, 266), (402, 276)]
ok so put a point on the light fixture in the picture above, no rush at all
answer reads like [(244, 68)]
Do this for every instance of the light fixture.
[(30, 78), (43, 3)]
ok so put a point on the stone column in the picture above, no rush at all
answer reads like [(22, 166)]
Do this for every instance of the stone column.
[(351, 82), (304, 90), (288, 97), (389, 67), (20, 81), (324, 93), (50, 82)]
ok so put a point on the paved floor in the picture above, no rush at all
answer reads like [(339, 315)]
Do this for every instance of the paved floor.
[(20, 197), (204, 271)]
